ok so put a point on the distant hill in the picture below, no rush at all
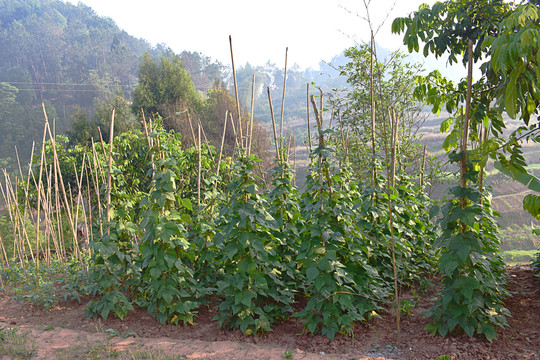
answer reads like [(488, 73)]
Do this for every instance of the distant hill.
[(67, 56)]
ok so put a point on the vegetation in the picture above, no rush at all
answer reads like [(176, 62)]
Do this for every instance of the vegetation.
[(473, 294), (189, 209)]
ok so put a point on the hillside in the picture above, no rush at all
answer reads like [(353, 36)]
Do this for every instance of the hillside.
[(67, 56)]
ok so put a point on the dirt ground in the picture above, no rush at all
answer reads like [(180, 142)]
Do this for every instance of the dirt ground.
[(66, 327)]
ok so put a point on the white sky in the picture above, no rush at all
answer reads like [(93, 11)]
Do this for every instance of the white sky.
[(313, 30)]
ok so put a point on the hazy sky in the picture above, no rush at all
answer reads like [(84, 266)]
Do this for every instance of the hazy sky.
[(313, 30)]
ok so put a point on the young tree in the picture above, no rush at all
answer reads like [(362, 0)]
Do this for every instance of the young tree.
[(166, 89), (393, 91), (473, 292)]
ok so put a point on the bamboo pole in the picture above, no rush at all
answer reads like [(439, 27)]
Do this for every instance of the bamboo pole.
[(423, 168), (95, 180), (251, 117), (79, 201), (233, 129), (463, 164), (283, 97), (395, 122), (222, 144), (109, 177), (308, 124), (236, 94), (294, 160), (483, 138), (391, 186), (199, 167), (68, 210), (192, 131), (39, 190), (273, 124), (90, 219), (22, 217), (219, 159), (102, 143), (9, 206), (4, 256), (206, 142), (145, 126), (374, 168)]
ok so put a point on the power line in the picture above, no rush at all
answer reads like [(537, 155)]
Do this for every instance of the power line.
[(61, 84), (66, 90)]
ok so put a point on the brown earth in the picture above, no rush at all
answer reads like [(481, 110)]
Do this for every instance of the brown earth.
[(65, 326)]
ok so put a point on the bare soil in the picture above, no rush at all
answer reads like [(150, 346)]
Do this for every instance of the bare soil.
[(66, 325)]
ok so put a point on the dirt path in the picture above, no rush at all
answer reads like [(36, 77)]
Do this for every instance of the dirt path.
[(65, 333)]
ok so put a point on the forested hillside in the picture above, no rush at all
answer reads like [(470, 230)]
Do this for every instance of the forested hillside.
[(67, 57)]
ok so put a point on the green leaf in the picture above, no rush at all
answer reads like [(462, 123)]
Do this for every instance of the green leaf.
[(510, 101), (312, 272), (489, 332), (445, 125)]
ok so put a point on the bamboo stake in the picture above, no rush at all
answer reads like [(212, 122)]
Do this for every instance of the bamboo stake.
[(374, 168), (483, 138), (102, 143), (219, 159), (22, 218), (79, 180), (199, 168), (146, 130), (423, 168), (283, 96), (273, 123), (57, 211), (391, 186), (222, 144), (109, 177), (17, 218), (234, 129), (294, 160), (4, 256), (68, 210), (9, 206), (90, 220), (308, 125), (99, 171), (251, 117), (191, 127), (206, 142), (463, 167), (395, 122), (236, 94), (39, 190), (95, 180)]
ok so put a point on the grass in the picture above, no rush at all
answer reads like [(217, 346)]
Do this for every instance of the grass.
[(104, 350), (513, 257), (16, 344)]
